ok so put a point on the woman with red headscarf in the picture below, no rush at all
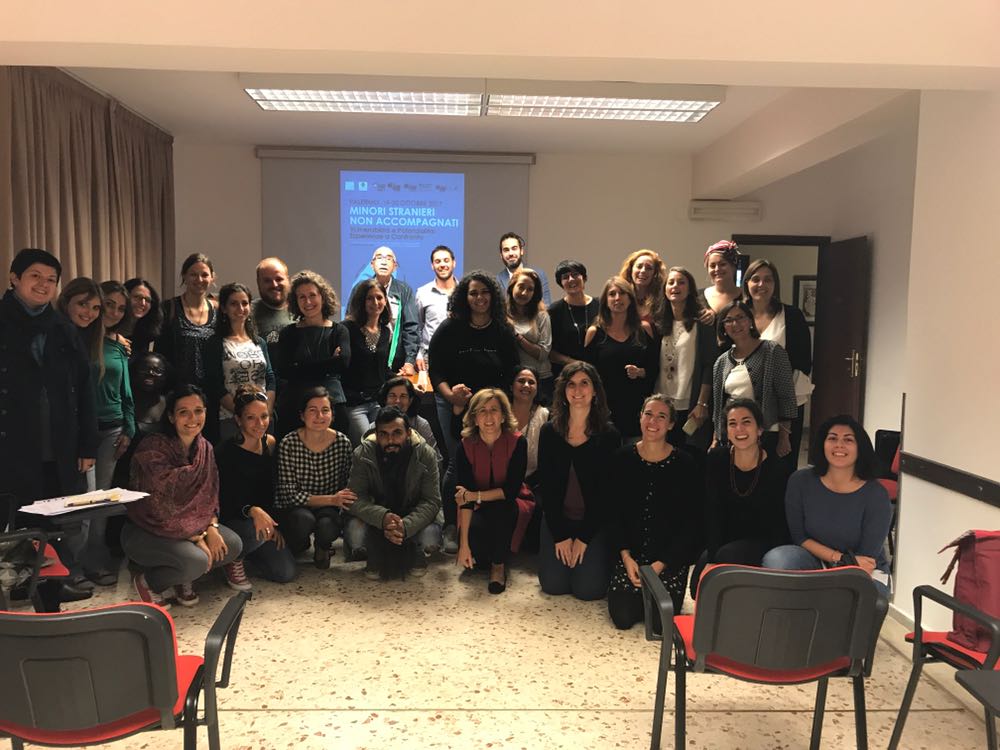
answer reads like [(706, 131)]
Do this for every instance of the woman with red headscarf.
[(721, 260)]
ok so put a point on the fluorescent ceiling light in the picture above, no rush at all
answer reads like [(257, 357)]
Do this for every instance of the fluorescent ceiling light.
[(595, 108), (368, 102), (472, 97)]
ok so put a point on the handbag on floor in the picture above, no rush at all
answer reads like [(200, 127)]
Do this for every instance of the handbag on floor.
[(977, 584)]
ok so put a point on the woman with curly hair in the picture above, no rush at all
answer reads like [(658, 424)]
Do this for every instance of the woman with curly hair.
[(491, 464), (147, 315), (235, 356), (369, 325), (471, 350), (532, 327), (647, 273), (574, 454), (314, 351), (620, 345)]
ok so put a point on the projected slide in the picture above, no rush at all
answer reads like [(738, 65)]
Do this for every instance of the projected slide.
[(410, 212)]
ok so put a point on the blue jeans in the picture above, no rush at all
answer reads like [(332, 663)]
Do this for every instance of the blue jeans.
[(794, 557), (355, 530), (359, 419), (275, 564)]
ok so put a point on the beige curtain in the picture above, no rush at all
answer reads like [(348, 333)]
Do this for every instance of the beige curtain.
[(82, 178)]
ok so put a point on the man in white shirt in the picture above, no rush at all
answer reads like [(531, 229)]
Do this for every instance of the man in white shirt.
[(512, 255), (432, 299)]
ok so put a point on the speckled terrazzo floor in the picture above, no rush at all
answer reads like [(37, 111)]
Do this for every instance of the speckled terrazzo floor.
[(333, 660)]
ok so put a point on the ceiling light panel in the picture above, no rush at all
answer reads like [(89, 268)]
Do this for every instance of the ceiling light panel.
[(368, 102)]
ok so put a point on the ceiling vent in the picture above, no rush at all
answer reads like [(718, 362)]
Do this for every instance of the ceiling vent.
[(722, 210)]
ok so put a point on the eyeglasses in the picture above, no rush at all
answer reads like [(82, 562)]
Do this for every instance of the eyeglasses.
[(384, 256), (729, 322)]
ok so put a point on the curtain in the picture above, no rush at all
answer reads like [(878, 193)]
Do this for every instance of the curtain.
[(82, 178)]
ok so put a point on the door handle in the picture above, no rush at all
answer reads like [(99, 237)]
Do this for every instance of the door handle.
[(854, 368)]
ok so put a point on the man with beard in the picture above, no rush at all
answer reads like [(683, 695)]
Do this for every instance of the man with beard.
[(512, 255), (270, 312), (432, 299), (405, 329), (395, 477)]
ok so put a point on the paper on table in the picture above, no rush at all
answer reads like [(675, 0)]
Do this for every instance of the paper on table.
[(57, 506)]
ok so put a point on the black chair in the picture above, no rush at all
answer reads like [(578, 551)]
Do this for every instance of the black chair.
[(985, 688), (94, 676), (935, 646), (768, 626), (46, 567)]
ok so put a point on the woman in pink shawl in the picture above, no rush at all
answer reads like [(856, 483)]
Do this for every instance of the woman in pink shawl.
[(174, 534), (490, 467)]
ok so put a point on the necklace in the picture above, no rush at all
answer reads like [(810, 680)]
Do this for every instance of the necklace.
[(371, 339), (581, 330), (732, 473), (671, 353), (482, 326)]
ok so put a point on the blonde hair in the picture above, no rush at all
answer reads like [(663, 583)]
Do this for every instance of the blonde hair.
[(478, 401), (654, 301)]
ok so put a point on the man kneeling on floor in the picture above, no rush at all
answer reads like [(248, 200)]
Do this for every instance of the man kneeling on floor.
[(395, 476)]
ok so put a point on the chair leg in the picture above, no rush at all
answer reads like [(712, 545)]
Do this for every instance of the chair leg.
[(680, 701), (191, 717), (818, 711), (860, 713), (904, 707), (16, 744), (661, 693), (991, 730)]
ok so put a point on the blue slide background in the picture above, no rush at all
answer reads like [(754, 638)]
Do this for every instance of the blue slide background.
[(410, 212)]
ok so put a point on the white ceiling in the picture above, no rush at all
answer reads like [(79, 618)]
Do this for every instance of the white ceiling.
[(212, 107)]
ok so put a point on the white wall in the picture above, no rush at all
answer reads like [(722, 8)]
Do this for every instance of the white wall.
[(951, 361), (217, 208)]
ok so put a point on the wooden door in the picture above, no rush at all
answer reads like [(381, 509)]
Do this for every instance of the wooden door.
[(843, 287)]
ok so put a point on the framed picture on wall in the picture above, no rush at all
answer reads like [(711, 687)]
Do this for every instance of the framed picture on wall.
[(804, 294)]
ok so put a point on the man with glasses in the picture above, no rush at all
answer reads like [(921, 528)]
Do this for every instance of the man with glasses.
[(405, 327), (48, 411)]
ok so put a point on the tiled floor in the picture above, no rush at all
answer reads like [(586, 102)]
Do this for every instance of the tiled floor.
[(336, 661)]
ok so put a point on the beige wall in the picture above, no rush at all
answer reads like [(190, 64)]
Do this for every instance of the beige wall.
[(951, 361), (217, 208)]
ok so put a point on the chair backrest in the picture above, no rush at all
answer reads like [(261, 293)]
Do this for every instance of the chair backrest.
[(886, 446), (785, 620), (75, 670)]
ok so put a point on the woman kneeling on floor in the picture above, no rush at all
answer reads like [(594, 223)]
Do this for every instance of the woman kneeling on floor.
[(174, 534), (247, 467)]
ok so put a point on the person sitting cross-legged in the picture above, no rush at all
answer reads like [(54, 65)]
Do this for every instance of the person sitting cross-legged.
[(395, 477)]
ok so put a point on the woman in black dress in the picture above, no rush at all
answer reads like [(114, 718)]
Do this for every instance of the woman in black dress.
[(621, 347), (745, 494), (312, 352), (189, 322), (658, 522)]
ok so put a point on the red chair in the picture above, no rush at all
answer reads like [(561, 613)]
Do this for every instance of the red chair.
[(892, 488), (95, 676), (775, 627), (930, 647), (46, 567)]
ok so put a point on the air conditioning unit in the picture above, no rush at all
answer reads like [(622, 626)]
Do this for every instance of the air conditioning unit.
[(723, 210)]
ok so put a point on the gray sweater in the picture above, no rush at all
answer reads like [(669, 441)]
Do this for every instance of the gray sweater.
[(856, 521)]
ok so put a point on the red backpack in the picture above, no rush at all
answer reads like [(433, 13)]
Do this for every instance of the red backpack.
[(976, 584)]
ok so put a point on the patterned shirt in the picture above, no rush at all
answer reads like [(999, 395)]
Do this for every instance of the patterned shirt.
[(243, 363), (302, 472)]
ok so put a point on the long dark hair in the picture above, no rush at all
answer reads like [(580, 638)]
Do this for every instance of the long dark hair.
[(113, 287), (692, 305), (458, 303), (775, 304), (224, 326), (147, 327), (632, 319), (356, 304), (182, 391), (597, 419), (867, 465)]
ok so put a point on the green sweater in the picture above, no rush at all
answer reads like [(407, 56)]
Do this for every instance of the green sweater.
[(114, 391)]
